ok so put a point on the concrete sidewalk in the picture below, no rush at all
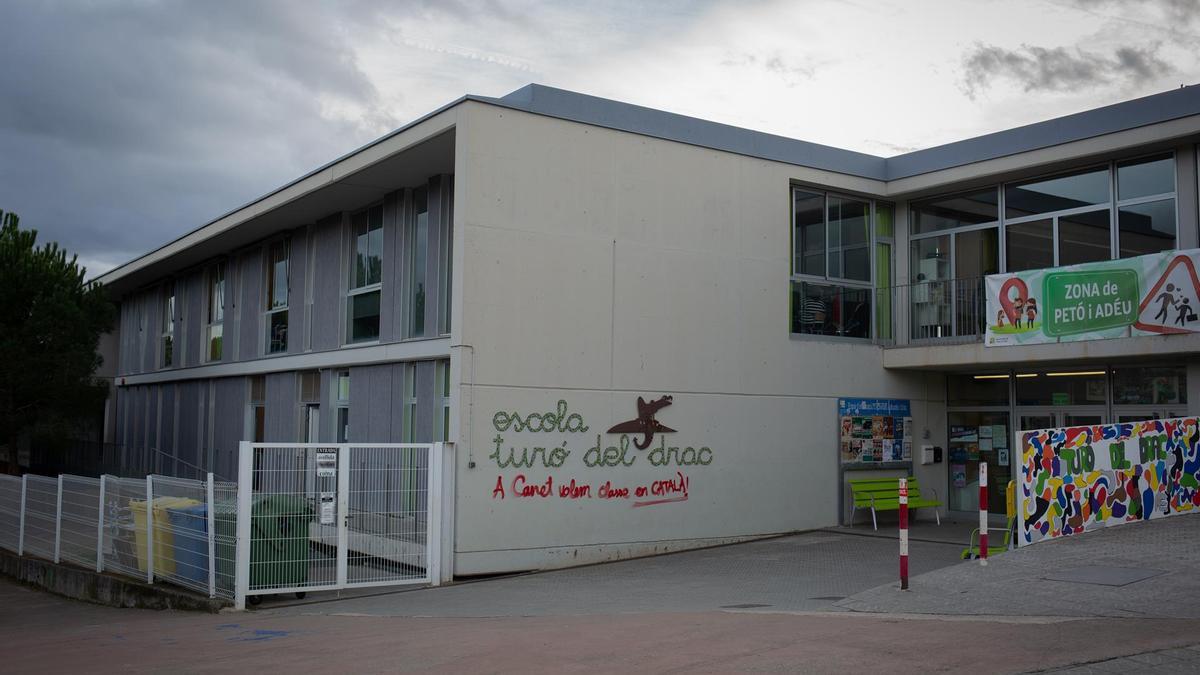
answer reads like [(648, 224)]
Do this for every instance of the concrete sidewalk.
[(1138, 570), (804, 572)]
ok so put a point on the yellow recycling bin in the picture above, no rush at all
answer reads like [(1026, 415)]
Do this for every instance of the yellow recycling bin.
[(164, 539)]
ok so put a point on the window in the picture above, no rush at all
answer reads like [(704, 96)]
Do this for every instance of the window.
[(168, 325), (418, 256), (410, 403), (310, 406), (834, 238), (1150, 385), (445, 267), (955, 244), (342, 405), (1030, 245), (1146, 206), (955, 211), (258, 407), (443, 379), (216, 312), (366, 275), (1059, 193), (277, 299)]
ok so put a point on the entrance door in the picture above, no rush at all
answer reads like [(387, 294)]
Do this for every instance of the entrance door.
[(978, 437)]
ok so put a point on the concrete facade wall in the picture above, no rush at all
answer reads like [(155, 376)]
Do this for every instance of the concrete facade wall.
[(601, 266)]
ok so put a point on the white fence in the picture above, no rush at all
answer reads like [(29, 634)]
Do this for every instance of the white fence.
[(326, 517), (104, 524), (302, 517)]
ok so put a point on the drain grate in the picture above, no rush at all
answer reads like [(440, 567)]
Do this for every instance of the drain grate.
[(748, 605), (1102, 575)]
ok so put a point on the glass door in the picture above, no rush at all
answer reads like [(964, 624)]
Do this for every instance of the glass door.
[(978, 437)]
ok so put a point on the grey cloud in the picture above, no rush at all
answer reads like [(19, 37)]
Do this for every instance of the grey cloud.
[(126, 124), (1058, 69), (1176, 11), (789, 71)]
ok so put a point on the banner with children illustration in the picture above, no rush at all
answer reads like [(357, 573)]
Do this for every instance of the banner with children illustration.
[(1157, 294)]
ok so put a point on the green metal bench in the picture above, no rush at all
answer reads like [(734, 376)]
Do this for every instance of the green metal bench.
[(883, 494)]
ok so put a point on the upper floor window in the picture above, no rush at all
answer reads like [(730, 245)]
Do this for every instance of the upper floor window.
[(216, 312), (366, 275), (168, 325), (277, 298), (418, 259), (1146, 206), (834, 240)]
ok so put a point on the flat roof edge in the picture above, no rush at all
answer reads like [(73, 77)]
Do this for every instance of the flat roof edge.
[(607, 113), (121, 270), (1110, 119)]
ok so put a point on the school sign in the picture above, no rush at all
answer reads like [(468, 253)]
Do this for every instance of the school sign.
[(1156, 294)]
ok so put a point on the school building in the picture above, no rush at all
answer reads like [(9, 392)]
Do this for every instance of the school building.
[(645, 332)]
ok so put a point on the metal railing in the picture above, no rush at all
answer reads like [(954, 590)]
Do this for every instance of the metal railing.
[(156, 528), (947, 311)]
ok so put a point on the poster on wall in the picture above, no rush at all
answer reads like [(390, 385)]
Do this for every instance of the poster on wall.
[(958, 475), (1078, 479), (1156, 294), (874, 430)]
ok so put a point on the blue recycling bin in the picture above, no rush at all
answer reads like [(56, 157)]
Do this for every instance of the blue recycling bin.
[(191, 541)]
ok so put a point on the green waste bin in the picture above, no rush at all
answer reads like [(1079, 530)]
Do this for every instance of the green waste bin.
[(279, 541)]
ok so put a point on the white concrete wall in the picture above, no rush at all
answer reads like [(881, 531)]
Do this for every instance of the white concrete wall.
[(595, 266)]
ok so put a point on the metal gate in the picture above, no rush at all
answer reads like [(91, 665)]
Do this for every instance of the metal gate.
[(315, 517)]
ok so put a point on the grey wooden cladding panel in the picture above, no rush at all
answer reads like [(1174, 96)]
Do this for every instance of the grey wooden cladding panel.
[(194, 320), (389, 296), (327, 284), (229, 424), (282, 423), (250, 305)]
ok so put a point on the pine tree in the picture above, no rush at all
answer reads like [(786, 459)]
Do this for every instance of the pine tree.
[(51, 320)]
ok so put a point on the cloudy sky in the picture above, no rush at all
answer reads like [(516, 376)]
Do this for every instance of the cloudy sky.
[(124, 124)]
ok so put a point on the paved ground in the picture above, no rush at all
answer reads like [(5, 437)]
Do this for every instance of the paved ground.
[(771, 605), (798, 573), (1060, 578), (1179, 660)]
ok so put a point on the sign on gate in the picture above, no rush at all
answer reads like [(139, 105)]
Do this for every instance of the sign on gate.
[(326, 463)]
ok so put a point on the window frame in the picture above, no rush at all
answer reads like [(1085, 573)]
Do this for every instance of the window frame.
[(166, 341), (353, 291), (341, 406), (839, 282), (270, 311), (218, 269)]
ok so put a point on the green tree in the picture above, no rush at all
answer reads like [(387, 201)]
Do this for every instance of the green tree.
[(51, 319)]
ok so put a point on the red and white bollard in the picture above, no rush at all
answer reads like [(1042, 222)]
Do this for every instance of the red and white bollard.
[(904, 534), (983, 519)]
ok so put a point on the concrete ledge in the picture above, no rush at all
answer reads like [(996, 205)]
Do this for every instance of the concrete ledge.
[(975, 355), (103, 589)]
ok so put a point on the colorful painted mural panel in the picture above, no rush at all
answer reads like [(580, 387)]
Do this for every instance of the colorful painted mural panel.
[(1078, 479)]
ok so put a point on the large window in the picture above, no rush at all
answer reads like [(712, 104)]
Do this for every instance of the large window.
[(841, 251), (1114, 211), (216, 313), (956, 244), (168, 325), (1146, 206), (277, 298), (366, 275)]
